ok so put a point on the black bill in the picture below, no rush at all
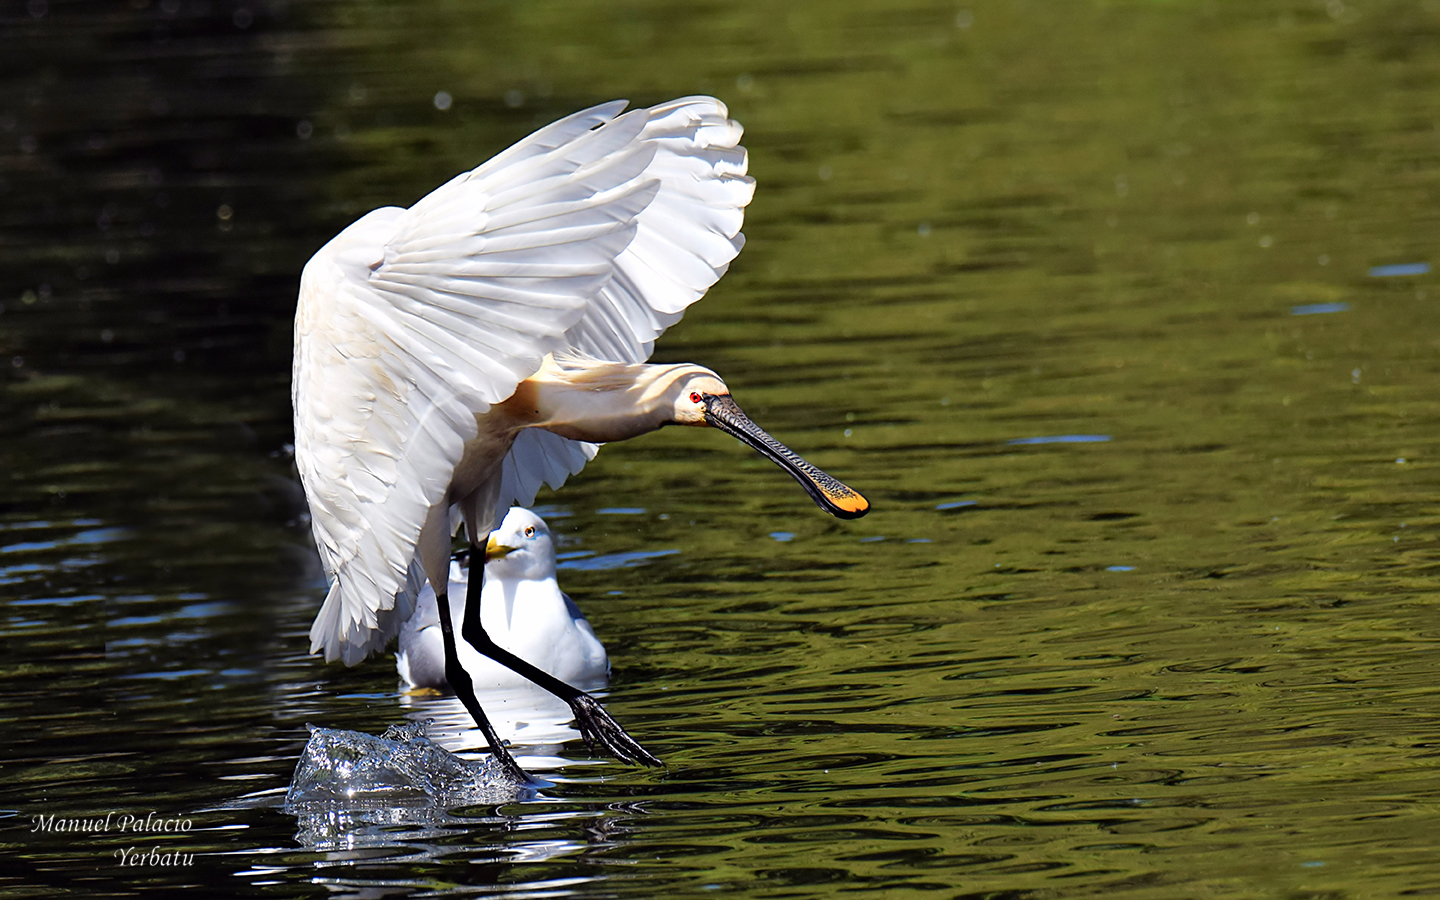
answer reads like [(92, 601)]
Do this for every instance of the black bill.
[(833, 495)]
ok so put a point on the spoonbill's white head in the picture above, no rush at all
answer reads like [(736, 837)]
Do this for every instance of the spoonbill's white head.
[(687, 394), (521, 548)]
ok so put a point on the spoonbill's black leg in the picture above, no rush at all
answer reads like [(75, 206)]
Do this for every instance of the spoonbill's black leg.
[(464, 688), (596, 725)]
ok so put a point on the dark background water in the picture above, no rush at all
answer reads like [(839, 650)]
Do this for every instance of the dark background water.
[(1192, 654)]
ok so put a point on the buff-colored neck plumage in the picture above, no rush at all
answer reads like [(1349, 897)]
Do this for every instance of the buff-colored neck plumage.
[(599, 401)]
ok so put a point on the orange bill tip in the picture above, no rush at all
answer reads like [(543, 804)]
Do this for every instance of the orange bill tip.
[(848, 502)]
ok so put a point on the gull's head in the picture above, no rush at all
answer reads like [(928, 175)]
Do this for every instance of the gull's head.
[(521, 547)]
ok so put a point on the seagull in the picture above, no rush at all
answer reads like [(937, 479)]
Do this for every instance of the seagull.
[(521, 607), (453, 356)]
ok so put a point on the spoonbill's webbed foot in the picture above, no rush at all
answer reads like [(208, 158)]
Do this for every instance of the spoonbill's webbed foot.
[(596, 725)]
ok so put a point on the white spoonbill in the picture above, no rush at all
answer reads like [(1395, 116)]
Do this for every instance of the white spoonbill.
[(522, 609), (451, 357)]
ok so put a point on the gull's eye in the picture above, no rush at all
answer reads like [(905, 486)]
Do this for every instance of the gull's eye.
[(694, 397), (529, 530)]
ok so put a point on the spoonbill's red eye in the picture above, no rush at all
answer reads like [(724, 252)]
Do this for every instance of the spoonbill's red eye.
[(694, 397)]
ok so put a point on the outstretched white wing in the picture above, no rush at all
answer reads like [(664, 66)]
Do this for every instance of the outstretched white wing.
[(412, 321), (592, 234), (684, 241)]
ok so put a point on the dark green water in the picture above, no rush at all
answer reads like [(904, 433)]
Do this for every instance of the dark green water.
[(1196, 657)]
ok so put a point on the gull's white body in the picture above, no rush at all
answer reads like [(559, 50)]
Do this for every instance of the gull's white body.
[(521, 607), (428, 341)]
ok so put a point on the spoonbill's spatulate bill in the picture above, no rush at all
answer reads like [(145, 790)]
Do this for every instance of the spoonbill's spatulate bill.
[(451, 357), (521, 607)]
